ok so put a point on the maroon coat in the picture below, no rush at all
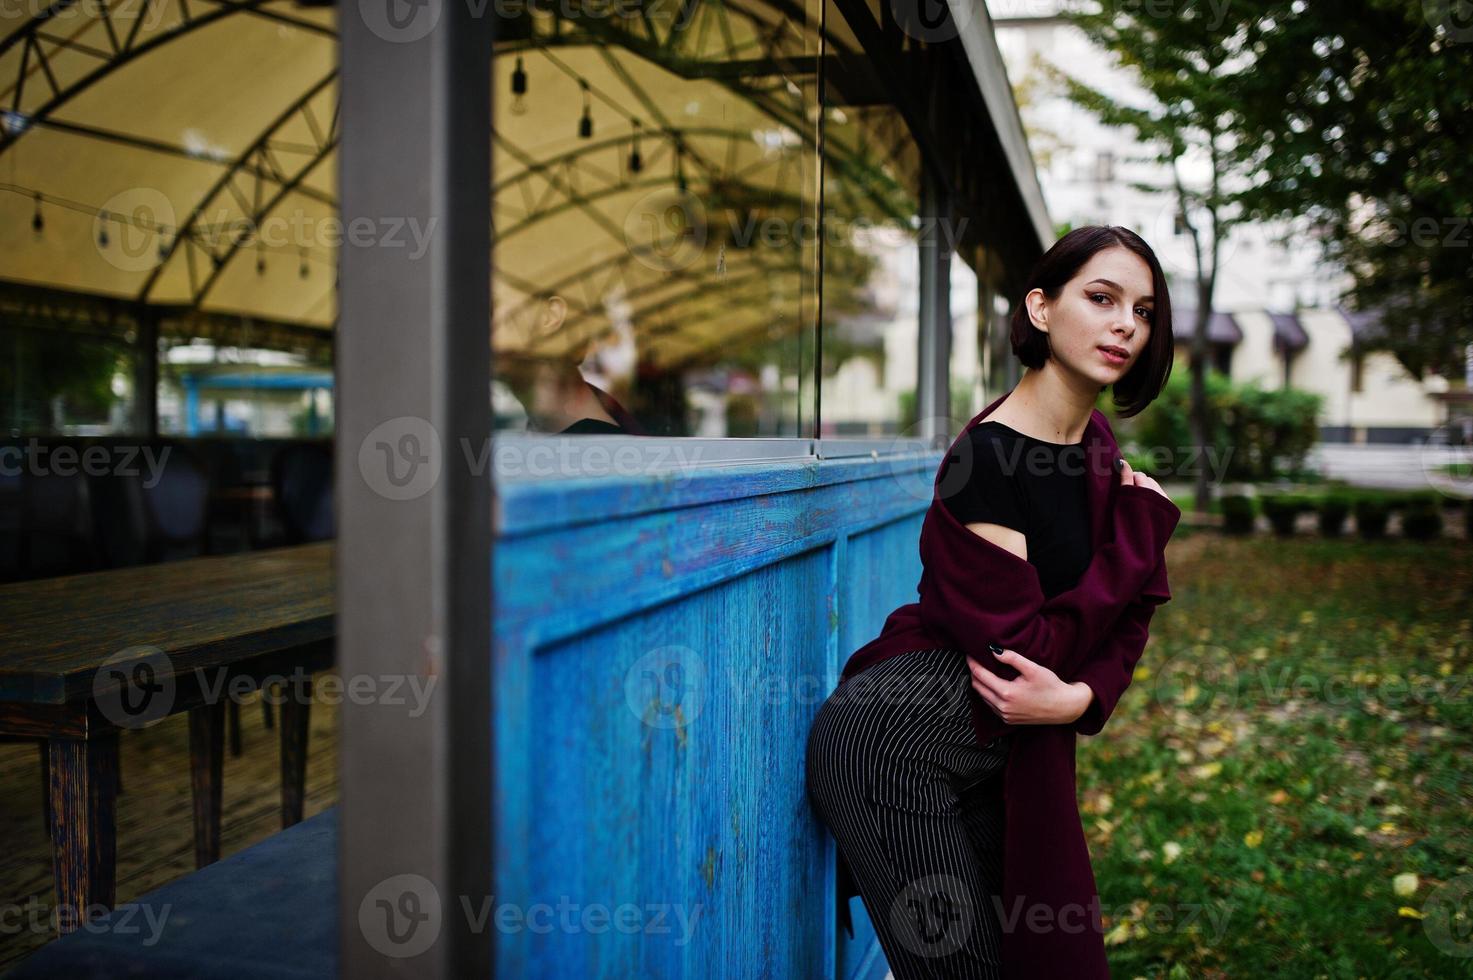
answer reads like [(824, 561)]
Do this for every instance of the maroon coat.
[(972, 593)]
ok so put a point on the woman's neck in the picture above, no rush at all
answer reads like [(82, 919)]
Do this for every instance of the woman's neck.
[(1043, 405)]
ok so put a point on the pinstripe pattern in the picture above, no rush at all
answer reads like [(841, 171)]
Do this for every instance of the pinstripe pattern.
[(915, 805)]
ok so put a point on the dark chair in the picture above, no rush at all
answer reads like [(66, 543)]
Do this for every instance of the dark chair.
[(301, 483), (172, 506), (10, 523), (56, 533)]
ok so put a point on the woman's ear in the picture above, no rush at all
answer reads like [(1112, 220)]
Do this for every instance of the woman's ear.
[(1037, 304), (554, 312)]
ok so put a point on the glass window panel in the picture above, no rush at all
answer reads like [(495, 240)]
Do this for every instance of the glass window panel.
[(654, 222), (967, 380), (169, 236), (871, 261)]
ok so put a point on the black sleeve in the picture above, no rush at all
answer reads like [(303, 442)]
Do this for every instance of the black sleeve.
[(989, 494)]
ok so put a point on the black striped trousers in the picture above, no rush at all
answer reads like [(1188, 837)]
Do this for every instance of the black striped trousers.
[(894, 771)]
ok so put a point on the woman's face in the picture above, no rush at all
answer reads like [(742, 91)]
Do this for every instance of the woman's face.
[(1109, 303)]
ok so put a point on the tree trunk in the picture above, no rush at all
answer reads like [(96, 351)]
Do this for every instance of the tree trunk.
[(1198, 408)]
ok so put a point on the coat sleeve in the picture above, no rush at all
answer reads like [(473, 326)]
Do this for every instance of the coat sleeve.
[(1111, 666), (1010, 609), (1110, 669)]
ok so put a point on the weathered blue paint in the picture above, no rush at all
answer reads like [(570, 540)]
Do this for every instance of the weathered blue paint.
[(662, 644)]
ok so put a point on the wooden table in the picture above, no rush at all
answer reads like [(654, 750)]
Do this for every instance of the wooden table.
[(84, 656)]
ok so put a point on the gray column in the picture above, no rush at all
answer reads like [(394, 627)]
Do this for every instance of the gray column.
[(414, 535)]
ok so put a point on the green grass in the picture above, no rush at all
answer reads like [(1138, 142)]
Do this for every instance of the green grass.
[(1269, 735)]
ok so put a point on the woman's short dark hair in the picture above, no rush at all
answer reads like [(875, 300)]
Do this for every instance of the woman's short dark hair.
[(1144, 381)]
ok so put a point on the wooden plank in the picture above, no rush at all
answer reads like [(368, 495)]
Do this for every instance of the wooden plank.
[(83, 795), (206, 778), (200, 612), (655, 705)]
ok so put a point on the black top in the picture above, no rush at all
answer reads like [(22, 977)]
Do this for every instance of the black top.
[(595, 427), (1033, 486)]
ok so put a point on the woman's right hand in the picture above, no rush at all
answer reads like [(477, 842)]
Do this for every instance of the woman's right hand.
[(1130, 477)]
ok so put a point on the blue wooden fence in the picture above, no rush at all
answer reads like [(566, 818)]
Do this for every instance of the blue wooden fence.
[(662, 644)]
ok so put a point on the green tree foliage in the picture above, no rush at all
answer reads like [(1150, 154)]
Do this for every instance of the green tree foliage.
[(1356, 117), (1187, 57), (1260, 433)]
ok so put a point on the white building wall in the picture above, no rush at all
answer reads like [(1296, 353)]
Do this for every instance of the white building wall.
[(1318, 367), (1255, 358), (1390, 396)]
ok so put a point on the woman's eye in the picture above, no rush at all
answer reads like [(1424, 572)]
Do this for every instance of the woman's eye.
[(1099, 296), (1143, 313)]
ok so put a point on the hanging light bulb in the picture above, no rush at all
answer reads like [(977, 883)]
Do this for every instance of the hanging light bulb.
[(635, 163), (163, 246), (102, 229), (680, 165), (302, 269), (585, 125), (37, 222), (519, 89), (260, 260)]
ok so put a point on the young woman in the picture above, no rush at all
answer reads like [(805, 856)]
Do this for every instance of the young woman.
[(903, 780)]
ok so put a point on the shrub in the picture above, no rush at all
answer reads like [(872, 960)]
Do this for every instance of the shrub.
[(1281, 510), (1422, 521), (1237, 513), (1257, 431), (1333, 509), (1370, 517)]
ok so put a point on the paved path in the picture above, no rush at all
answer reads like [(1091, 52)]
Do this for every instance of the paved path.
[(1393, 467)]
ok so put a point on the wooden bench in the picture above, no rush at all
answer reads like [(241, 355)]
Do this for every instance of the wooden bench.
[(270, 910)]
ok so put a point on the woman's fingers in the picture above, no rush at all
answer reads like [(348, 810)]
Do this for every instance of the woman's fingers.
[(989, 686), (1127, 475)]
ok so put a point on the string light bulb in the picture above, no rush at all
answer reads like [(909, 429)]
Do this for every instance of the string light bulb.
[(102, 238), (519, 89), (635, 163), (585, 124), (302, 269), (37, 222)]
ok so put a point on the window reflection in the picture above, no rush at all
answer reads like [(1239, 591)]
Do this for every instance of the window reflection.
[(871, 259), (654, 222)]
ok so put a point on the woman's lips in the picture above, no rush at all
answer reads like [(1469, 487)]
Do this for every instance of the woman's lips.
[(1113, 355)]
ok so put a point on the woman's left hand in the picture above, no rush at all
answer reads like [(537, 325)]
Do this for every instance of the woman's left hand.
[(1037, 696)]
